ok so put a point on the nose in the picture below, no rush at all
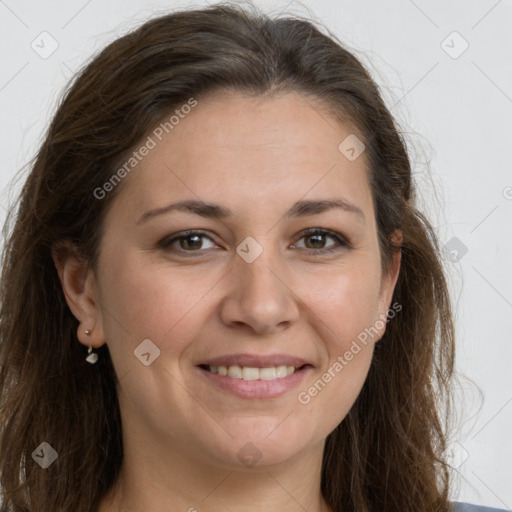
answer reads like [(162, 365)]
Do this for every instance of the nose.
[(259, 297)]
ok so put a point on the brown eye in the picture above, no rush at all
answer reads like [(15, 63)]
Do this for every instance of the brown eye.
[(318, 238), (189, 241), (193, 241)]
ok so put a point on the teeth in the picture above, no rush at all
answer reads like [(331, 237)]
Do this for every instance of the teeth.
[(235, 371), (268, 373), (249, 373), (281, 371)]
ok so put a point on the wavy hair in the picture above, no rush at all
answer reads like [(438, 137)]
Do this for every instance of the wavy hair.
[(387, 453)]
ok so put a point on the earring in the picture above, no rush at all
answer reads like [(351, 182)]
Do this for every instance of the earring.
[(92, 356)]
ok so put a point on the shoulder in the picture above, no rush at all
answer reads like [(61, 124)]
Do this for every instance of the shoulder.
[(467, 507)]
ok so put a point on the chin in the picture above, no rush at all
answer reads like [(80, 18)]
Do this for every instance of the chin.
[(252, 452)]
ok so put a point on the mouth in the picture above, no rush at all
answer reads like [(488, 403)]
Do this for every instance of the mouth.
[(254, 376), (248, 373)]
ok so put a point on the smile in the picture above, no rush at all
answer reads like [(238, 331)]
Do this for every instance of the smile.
[(252, 373), (251, 382)]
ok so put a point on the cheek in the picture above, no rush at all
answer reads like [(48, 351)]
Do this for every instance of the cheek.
[(345, 306), (328, 398), (345, 301), (145, 299)]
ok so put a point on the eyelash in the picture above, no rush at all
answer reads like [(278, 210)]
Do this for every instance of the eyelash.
[(341, 241)]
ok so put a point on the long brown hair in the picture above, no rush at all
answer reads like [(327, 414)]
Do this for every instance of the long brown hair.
[(387, 454)]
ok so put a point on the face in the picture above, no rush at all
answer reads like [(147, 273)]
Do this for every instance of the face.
[(249, 288)]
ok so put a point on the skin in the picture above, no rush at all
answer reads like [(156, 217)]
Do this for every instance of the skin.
[(257, 157)]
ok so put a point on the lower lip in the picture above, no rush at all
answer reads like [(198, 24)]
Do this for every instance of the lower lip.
[(257, 388)]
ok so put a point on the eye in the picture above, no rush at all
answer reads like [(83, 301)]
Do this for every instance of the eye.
[(192, 241), (316, 235), (189, 241)]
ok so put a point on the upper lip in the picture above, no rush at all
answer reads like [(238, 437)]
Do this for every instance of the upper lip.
[(256, 360)]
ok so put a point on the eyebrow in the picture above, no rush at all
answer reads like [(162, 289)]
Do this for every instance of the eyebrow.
[(301, 208)]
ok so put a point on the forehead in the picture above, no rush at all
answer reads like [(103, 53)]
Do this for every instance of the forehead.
[(247, 151)]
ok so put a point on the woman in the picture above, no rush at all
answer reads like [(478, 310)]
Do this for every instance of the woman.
[(218, 293)]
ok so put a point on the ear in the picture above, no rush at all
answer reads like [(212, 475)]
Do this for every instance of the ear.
[(79, 285), (388, 281)]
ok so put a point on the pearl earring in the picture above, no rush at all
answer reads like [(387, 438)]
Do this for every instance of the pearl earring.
[(92, 356)]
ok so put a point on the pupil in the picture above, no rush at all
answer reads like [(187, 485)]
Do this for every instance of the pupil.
[(317, 237), (186, 239)]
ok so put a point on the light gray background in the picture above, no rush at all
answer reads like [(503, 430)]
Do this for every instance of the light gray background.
[(456, 109)]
